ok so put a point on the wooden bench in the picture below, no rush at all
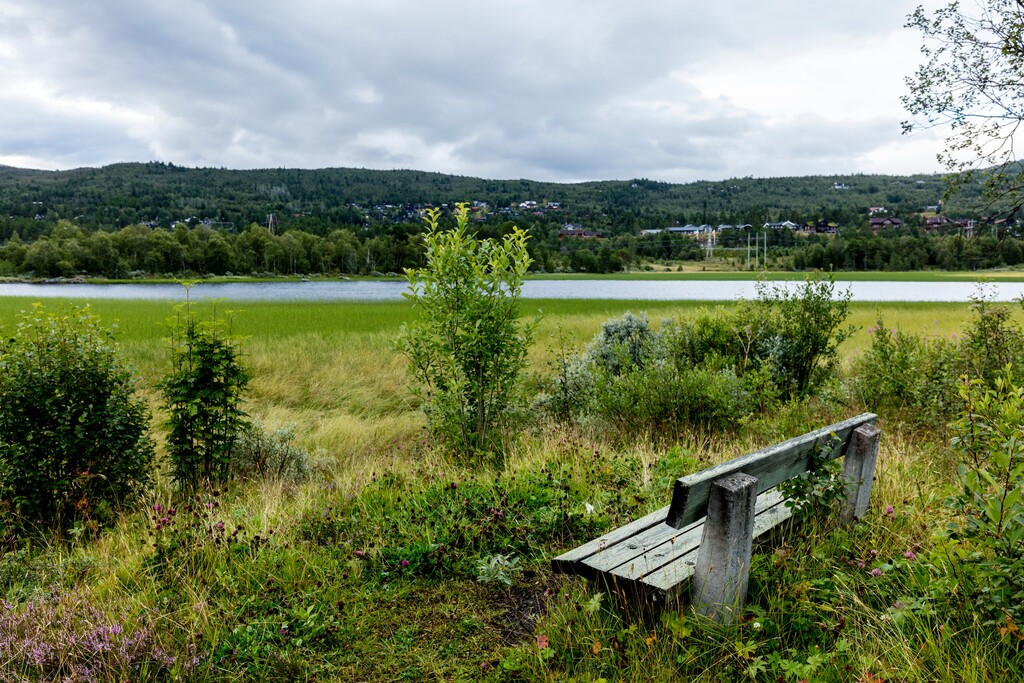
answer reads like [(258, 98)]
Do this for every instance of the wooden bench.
[(703, 540)]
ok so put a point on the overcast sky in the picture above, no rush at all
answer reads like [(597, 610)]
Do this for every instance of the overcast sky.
[(560, 90)]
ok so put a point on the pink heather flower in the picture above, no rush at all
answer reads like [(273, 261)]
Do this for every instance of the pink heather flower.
[(360, 553), (405, 563), (910, 555), (890, 511), (876, 572)]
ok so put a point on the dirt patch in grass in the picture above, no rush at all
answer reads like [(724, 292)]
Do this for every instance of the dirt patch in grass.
[(524, 604)]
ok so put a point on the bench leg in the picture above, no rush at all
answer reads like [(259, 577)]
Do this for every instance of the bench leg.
[(859, 470), (723, 562)]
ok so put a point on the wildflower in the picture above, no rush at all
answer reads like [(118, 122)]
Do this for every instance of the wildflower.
[(542, 642), (890, 511), (910, 555), (360, 553), (405, 563), (756, 626), (589, 508), (876, 572)]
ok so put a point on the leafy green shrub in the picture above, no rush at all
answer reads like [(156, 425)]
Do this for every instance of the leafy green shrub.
[(709, 339), (990, 441), (797, 332), (711, 370), (916, 378), (909, 377), (203, 394), (992, 340), (817, 492), (663, 399), (468, 348), (624, 344), (269, 455), (73, 443)]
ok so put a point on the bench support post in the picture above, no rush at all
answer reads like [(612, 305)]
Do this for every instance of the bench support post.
[(859, 470), (723, 562)]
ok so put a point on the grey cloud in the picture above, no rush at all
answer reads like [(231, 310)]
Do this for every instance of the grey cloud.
[(557, 91)]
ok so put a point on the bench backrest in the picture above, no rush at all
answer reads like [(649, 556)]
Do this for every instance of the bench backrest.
[(771, 466)]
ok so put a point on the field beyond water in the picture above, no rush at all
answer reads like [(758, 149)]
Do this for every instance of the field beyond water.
[(388, 563)]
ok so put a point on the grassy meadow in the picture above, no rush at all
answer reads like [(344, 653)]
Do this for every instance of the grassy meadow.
[(371, 570)]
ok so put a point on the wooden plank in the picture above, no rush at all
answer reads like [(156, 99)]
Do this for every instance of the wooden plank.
[(771, 466), (667, 580), (571, 561), (650, 562), (859, 471), (655, 540)]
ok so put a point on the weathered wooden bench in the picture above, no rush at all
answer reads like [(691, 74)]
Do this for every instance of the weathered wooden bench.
[(699, 547)]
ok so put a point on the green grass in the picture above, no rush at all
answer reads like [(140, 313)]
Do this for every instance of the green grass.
[(314, 587)]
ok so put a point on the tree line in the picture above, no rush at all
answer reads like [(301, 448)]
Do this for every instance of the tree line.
[(69, 250)]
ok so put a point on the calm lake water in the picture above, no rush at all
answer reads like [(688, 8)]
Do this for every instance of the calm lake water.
[(649, 290)]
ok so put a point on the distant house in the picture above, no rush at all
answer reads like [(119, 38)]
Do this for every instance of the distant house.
[(688, 229), (579, 232), (821, 227), (878, 222), (784, 225), (876, 210)]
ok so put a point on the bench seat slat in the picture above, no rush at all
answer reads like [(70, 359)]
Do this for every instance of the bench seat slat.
[(667, 555), (655, 555), (668, 580), (572, 561)]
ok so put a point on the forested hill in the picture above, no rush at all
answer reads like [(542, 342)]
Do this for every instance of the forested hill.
[(322, 199)]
